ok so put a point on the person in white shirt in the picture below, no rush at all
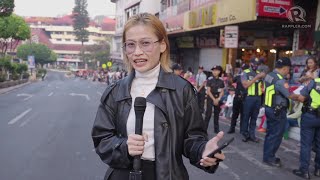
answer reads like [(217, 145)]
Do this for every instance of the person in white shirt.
[(172, 126), (201, 80), (229, 103)]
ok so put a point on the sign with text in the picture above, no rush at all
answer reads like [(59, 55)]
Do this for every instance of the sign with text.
[(231, 34), (219, 13), (273, 8), (31, 62)]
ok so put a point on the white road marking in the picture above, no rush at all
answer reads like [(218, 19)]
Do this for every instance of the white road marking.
[(99, 93), (25, 122), (225, 167), (19, 117), (84, 95), (28, 96), (254, 161), (50, 94)]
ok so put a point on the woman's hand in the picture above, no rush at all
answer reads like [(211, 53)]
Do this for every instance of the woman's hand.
[(211, 145), (136, 144)]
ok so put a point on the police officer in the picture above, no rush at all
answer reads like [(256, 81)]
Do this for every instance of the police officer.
[(214, 94), (252, 81), (310, 128), (276, 103), (240, 94)]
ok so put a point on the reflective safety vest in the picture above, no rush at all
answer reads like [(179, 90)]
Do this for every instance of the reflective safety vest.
[(315, 94), (270, 93), (256, 88)]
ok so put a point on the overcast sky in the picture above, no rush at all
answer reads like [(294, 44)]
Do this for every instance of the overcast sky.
[(53, 8)]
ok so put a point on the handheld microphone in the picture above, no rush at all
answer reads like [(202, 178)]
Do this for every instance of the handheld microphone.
[(140, 104)]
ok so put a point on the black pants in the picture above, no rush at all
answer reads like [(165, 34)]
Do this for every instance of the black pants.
[(207, 118), (148, 172), (201, 98), (237, 110)]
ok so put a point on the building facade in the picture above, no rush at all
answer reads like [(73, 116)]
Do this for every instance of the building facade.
[(57, 34), (197, 33), (124, 10)]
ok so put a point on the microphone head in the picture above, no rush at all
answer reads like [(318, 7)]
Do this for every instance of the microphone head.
[(140, 103)]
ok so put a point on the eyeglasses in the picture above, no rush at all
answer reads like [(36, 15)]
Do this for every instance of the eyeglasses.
[(145, 45)]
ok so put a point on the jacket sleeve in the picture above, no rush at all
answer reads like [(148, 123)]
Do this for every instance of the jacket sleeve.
[(109, 145), (195, 137)]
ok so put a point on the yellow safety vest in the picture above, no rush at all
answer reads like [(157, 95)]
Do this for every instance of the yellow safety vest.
[(315, 94), (270, 92), (256, 88)]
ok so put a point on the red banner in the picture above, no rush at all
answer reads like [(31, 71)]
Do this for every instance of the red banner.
[(273, 8)]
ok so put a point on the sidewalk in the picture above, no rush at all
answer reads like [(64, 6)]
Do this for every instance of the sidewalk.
[(5, 90)]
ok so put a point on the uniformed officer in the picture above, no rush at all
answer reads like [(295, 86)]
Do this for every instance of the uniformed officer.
[(276, 104), (240, 94), (252, 81), (214, 94), (310, 128)]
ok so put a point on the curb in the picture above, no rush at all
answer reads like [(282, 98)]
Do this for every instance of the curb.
[(6, 90)]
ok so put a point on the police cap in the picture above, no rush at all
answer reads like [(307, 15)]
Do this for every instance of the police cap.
[(217, 68), (283, 61), (255, 61)]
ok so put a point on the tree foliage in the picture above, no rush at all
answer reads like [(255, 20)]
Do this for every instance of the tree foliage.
[(41, 53), (99, 52), (13, 29), (6, 7), (81, 21)]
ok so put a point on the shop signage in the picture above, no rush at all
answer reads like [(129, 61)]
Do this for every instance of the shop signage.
[(231, 34), (273, 8), (199, 3), (174, 24), (185, 42), (220, 13), (202, 16), (206, 42)]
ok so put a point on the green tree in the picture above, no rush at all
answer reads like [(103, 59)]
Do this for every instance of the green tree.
[(42, 54), (13, 29), (6, 7), (99, 52), (81, 21)]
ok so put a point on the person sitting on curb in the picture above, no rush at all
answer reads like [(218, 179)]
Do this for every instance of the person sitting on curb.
[(293, 117)]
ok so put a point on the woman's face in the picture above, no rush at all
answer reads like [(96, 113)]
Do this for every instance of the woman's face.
[(143, 48), (311, 64)]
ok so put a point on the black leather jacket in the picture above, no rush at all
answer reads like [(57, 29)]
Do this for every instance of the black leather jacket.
[(178, 126)]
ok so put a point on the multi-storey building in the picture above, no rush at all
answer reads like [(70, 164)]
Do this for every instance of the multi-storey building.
[(266, 29), (57, 33), (124, 10)]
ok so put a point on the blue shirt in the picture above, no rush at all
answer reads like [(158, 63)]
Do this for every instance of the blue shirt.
[(280, 86), (306, 89)]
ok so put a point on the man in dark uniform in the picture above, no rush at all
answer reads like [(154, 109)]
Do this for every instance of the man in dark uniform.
[(252, 81), (240, 94), (276, 105), (214, 94), (310, 128)]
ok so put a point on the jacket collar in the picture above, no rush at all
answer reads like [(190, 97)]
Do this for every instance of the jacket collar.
[(165, 80)]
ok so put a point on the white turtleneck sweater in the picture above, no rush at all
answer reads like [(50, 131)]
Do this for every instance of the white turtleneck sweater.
[(142, 85)]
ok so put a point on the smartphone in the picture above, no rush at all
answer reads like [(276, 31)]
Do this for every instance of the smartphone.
[(225, 144)]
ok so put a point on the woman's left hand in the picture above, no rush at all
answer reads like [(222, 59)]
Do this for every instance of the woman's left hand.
[(211, 145)]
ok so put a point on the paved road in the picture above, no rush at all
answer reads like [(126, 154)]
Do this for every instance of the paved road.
[(45, 134)]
